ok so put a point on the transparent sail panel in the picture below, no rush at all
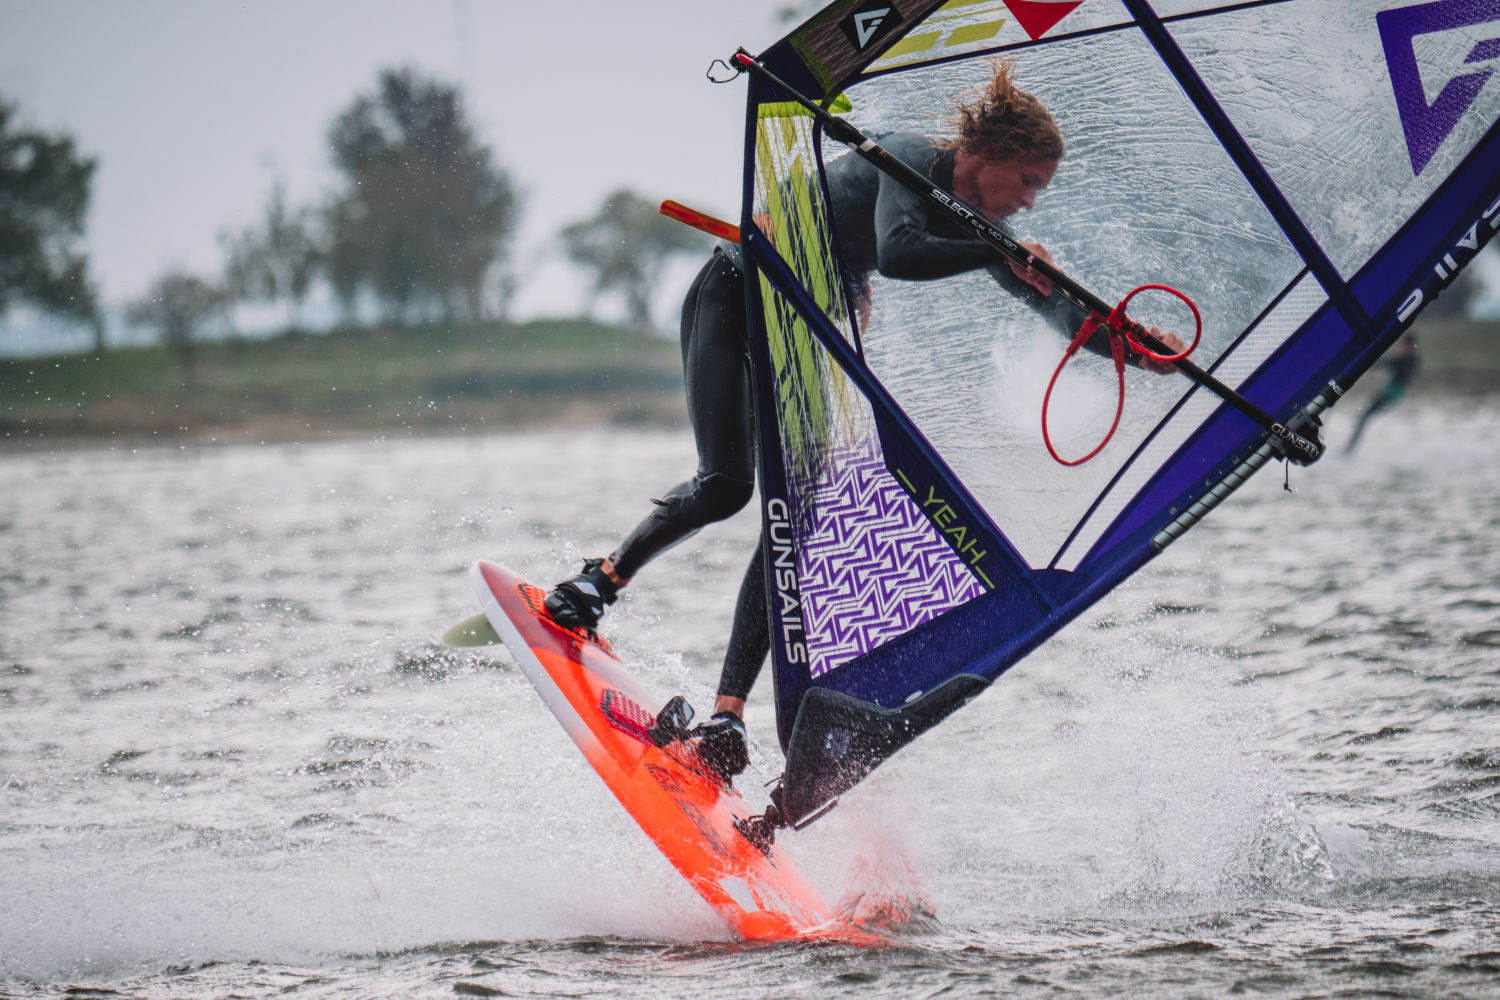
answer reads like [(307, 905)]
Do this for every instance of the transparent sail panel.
[(1357, 108), (1145, 194), (1174, 8), (1301, 302)]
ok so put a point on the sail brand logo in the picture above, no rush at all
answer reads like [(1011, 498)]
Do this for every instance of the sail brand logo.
[(1426, 125), (784, 577), (1452, 261), (942, 515), (870, 24)]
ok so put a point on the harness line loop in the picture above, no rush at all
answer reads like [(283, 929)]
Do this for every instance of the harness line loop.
[(1122, 329)]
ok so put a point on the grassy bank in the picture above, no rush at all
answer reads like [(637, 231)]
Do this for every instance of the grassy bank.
[(311, 386), (302, 387)]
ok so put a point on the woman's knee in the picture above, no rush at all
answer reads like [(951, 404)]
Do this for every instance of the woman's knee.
[(706, 499)]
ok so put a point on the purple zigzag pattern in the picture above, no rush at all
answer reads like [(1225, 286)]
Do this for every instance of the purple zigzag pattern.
[(870, 566)]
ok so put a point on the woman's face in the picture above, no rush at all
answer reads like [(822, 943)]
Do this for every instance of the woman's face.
[(1003, 189)]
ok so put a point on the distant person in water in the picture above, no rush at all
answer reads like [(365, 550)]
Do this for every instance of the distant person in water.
[(1006, 150), (1403, 368)]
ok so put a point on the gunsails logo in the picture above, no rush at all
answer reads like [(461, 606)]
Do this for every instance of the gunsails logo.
[(1426, 124), (870, 23)]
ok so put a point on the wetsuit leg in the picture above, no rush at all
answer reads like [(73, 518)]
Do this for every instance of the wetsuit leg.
[(1376, 405), (717, 377), (750, 638)]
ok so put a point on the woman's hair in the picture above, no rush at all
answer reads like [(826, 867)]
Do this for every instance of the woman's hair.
[(1003, 123)]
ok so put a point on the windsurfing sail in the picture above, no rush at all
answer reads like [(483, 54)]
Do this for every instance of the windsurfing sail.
[(1310, 172)]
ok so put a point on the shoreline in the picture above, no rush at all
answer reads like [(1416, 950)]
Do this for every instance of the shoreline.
[(434, 382), (288, 431), (339, 385)]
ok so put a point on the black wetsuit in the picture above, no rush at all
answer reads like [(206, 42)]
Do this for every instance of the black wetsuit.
[(880, 226)]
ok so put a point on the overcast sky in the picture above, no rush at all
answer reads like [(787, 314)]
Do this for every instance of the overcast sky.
[(191, 107)]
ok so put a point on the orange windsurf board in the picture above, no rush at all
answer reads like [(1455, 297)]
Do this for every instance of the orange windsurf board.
[(686, 810)]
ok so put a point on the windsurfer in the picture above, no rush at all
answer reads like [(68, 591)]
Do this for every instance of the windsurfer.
[(1006, 151), (1402, 369)]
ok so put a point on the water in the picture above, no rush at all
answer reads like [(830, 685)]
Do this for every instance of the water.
[(233, 763)]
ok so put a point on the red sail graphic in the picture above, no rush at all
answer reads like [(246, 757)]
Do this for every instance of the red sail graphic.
[(1039, 16)]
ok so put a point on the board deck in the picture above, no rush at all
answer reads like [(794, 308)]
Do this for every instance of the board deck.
[(687, 811)]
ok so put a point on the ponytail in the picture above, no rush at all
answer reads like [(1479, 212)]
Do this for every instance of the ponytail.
[(1003, 123)]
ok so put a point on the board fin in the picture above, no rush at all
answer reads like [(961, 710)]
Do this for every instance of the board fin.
[(475, 630)]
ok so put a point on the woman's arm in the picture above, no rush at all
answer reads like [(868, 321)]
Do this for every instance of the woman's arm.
[(906, 249)]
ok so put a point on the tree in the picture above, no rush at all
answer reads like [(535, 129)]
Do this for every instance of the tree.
[(277, 261), (345, 260), (794, 13), (627, 245), (179, 305), (44, 197), (426, 216)]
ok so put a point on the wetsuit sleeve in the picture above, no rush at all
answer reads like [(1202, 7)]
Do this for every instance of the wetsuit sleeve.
[(1062, 315), (905, 249)]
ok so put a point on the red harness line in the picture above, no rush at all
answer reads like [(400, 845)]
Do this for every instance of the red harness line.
[(1122, 330)]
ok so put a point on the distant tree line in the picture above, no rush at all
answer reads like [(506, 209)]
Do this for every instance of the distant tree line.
[(626, 246), (420, 229)]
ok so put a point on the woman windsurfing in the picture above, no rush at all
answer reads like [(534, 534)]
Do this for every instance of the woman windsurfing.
[(1005, 152)]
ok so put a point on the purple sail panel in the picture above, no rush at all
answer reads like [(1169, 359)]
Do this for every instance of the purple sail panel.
[(869, 565)]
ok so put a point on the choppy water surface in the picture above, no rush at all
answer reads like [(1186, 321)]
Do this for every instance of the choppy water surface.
[(232, 762)]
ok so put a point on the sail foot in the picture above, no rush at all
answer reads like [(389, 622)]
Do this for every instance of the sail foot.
[(838, 739)]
